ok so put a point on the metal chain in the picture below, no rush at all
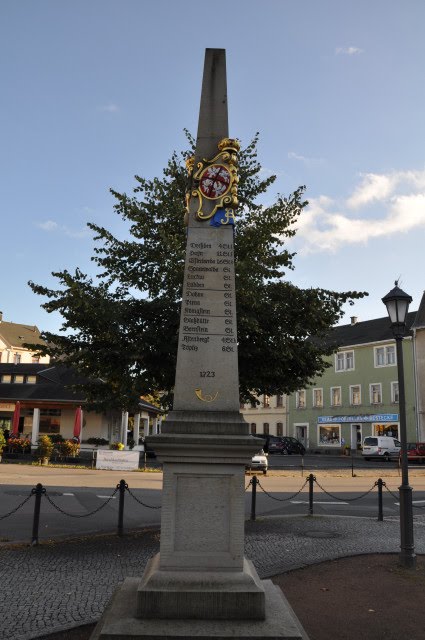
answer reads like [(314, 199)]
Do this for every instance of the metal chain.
[(389, 491), (281, 499), (331, 495), (248, 485), (6, 515), (149, 506), (79, 515), (396, 497)]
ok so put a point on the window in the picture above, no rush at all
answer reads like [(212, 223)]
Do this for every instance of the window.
[(35, 359), (385, 356), (253, 428), (300, 399), (266, 428), (6, 378), (394, 392), (17, 358), (344, 361), (376, 393), (317, 397), (253, 404), (241, 406), (266, 402), (18, 379), (336, 400), (329, 435), (279, 429), (279, 401), (355, 394), (50, 420)]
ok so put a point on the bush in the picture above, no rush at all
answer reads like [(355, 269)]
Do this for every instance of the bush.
[(68, 448), (56, 437), (97, 441), (116, 446), (45, 447), (2, 441)]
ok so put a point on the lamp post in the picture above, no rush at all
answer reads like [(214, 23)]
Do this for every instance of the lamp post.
[(397, 303)]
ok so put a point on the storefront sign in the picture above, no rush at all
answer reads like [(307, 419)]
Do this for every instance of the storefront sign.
[(7, 406), (378, 417), (117, 460)]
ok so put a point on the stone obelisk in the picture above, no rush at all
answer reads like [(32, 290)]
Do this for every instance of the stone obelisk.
[(200, 584)]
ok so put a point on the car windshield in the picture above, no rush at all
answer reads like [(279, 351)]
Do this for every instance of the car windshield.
[(371, 442)]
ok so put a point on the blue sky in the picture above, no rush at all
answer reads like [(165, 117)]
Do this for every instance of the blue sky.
[(96, 91)]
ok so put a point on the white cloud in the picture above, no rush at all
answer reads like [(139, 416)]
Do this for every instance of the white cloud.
[(348, 51), (51, 226), (48, 225), (328, 225), (292, 155), (109, 108)]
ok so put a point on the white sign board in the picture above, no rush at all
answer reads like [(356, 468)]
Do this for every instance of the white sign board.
[(117, 460)]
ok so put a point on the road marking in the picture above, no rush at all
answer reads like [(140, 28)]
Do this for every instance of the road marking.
[(106, 497), (317, 502), (413, 502), (68, 494)]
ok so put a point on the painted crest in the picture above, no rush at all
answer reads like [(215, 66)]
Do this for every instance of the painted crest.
[(213, 185)]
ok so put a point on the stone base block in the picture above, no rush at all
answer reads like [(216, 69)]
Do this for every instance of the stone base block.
[(120, 621), (225, 595)]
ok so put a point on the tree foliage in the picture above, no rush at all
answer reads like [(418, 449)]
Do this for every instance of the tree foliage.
[(120, 329)]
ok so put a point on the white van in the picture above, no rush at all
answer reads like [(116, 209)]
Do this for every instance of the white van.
[(380, 447)]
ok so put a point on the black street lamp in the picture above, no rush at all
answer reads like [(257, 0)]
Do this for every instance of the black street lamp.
[(397, 303)]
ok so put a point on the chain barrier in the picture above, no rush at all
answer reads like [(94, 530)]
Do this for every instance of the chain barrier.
[(281, 499), (80, 515), (395, 496), (149, 506), (6, 515), (248, 485), (331, 495)]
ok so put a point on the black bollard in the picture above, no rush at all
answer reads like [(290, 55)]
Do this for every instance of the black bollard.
[(380, 484), (38, 492), (254, 483), (122, 486), (311, 480)]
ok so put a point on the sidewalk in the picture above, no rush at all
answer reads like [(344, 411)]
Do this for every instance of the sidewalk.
[(58, 586)]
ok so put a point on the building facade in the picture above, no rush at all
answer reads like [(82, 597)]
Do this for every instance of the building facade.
[(357, 396), (268, 415), (13, 336)]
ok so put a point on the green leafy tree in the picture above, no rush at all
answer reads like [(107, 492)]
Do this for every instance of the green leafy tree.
[(120, 329)]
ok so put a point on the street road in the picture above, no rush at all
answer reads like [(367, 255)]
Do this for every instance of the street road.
[(79, 492)]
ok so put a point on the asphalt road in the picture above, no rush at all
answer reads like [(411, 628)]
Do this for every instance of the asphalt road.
[(82, 502)]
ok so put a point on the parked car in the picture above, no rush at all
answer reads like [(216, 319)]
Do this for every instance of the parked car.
[(383, 447), (259, 462), (292, 445), (285, 445), (415, 452)]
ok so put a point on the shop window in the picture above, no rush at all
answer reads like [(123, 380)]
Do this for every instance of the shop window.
[(300, 399), (329, 435), (317, 397), (50, 420), (376, 393), (394, 392), (385, 356), (253, 428), (336, 396), (344, 361), (390, 430), (355, 394), (279, 429)]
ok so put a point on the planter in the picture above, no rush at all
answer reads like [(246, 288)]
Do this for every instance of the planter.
[(45, 461)]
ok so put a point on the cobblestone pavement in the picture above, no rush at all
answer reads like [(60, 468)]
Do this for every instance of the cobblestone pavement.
[(56, 586)]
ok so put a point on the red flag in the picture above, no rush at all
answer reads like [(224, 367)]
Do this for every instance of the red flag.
[(15, 421), (78, 422)]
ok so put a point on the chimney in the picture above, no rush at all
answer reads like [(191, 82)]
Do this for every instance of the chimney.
[(354, 320)]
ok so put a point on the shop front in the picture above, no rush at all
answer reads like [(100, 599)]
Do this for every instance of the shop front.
[(334, 432)]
